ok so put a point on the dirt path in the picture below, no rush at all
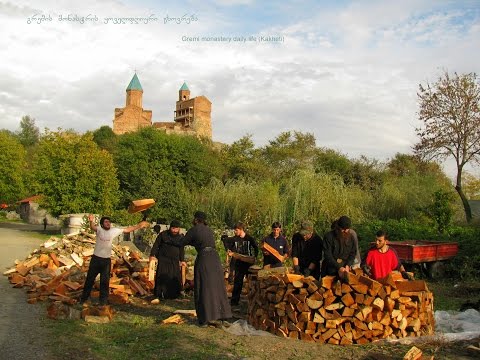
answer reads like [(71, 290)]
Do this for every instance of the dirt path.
[(21, 333)]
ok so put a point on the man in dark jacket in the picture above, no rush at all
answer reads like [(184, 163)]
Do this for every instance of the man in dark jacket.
[(279, 243), (339, 249), (307, 251), (242, 244)]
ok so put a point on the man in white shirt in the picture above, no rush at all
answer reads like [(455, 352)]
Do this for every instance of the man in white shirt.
[(100, 261)]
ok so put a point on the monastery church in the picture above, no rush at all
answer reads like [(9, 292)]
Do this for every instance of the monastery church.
[(192, 116)]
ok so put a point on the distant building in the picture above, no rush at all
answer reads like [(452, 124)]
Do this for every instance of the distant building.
[(132, 117), (192, 116), (31, 212)]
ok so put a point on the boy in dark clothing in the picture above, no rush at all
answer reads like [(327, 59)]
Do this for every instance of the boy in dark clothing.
[(279, 243), (242, 244)]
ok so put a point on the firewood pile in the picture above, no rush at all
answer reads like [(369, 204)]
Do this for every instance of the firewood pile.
[(357, 311), (57, 271)]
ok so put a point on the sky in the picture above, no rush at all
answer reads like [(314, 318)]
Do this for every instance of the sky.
[(346, 71)]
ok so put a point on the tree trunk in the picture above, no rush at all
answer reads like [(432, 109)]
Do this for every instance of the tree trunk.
[(458, 187)]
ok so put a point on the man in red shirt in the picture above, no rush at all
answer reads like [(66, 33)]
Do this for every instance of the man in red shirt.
[(381, 260)]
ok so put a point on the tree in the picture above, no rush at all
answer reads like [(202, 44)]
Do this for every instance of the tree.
[(450, 116), (105, 138), (290, 152), (74, 175), (12, 168), (28, 134), (242, 160), (471, 186), (167, 168)]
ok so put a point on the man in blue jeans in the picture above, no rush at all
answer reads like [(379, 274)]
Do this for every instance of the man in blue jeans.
[(100, 261)]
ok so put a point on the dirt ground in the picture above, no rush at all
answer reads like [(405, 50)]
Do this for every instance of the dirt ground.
[(23, 333)]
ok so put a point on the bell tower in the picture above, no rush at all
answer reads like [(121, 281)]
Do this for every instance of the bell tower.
[(134, 92), (184, 92)]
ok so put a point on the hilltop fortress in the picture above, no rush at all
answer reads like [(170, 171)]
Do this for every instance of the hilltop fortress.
[(192, 116)]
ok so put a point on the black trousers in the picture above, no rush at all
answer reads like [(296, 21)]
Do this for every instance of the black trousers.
[(241, 269), (98, 265)]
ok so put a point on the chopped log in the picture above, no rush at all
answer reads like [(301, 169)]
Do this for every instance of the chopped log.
[(297, 284), (348, 300), (334, 306), (327, 281), (348, 312), (319, 319), (329, 301), (244, 258), (346, 288), (360, 288), (314, 304), (174, 319), (413, 354), (272, 251), (352, 279), (77, 259), (378, 303)]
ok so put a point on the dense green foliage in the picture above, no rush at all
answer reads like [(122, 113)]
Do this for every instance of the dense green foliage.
[(12, 168), (73, 174), (167, 168)]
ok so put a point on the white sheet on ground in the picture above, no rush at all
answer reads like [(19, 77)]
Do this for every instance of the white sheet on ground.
[(450, 326), (241, 327)]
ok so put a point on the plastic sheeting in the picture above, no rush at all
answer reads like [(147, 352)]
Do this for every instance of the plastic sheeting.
[(454, 325), (450, 326), (241, 327)]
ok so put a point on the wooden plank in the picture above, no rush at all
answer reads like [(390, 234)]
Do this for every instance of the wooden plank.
[(414, 285), (272, 251), (152, 268)]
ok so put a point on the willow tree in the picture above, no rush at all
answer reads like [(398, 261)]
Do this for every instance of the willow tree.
[(450, 116)]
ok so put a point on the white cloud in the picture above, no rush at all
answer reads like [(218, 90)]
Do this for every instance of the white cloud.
[(347, 74)]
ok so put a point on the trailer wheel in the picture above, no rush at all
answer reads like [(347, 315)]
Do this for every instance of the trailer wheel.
[(436, 270)]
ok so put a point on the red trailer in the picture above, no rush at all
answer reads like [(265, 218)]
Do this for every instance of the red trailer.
[(431, 254)]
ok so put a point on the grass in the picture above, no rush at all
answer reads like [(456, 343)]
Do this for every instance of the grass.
[(451, 295), (137, 332)]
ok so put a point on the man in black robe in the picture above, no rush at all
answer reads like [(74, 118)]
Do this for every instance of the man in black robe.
[(307, 251), (210, 295), (339, 249), (168, 282)]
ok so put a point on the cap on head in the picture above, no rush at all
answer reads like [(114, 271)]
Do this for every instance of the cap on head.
[(175, 223), (200, 215), (344, 222), (306, 228)]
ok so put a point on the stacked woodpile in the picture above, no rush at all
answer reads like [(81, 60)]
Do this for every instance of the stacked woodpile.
[(357, 311), (57, 271)]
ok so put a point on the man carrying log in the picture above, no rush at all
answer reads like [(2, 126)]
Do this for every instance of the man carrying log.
[(339, 249), (307, 251), (100, 261), (278, 245), (168, 282), (244, 249), (381, 260)]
